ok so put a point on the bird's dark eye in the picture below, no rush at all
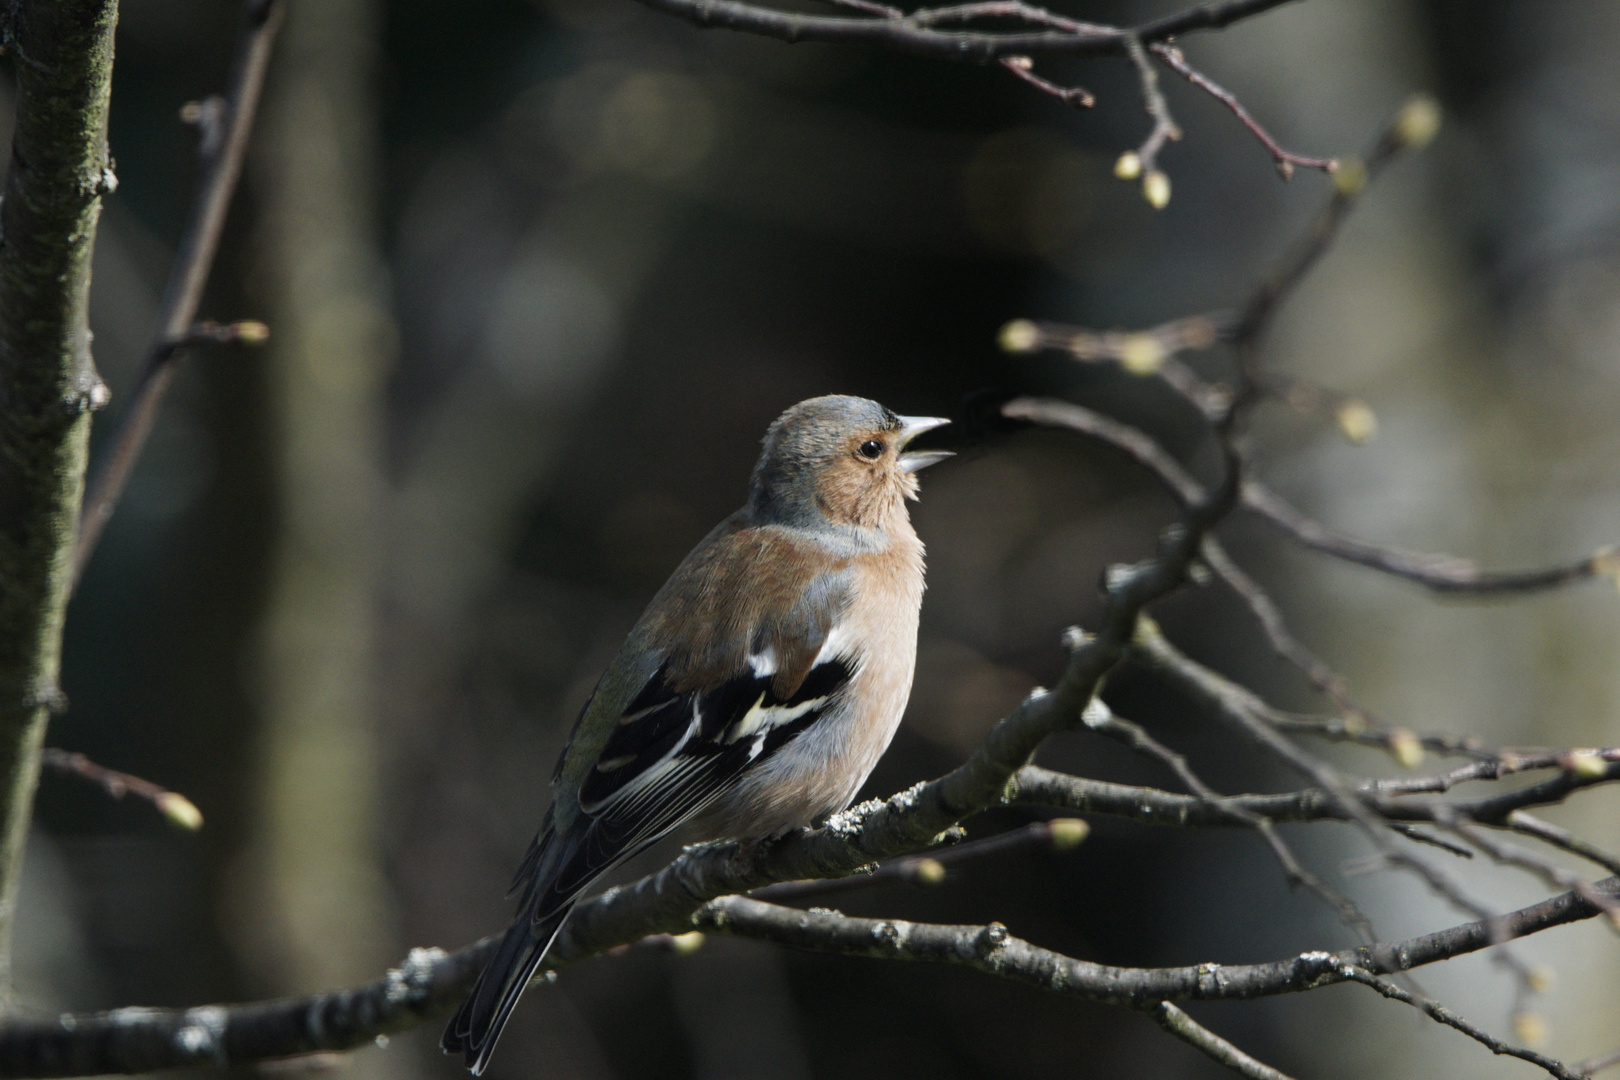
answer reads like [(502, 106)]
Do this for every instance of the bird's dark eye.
[(871, 450)]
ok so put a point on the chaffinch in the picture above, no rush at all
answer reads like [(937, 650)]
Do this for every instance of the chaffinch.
[(756, 692)]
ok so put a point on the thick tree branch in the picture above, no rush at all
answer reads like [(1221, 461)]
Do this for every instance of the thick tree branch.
[(48, 381)]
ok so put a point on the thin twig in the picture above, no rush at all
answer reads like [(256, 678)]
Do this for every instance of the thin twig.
[(929, 870), (1435, 1011), (1074, 97), (914, 34), (171, 804), (1286, 160), (1144, 160), (1034, 786), (1446, 574), (1189, 1031), (1147, 452), (1412, 127), (1101, 719), (1359, 725), (1417, 835), (222, 167), (1245, 711), (1513, 855), (1548, 833), (882, 11), (1593, 1066)]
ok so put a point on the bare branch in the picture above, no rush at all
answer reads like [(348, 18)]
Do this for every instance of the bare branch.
[(171, 804), (1244, 711), (1414, 126), (1286, 160), (1100, 718), (1563, 839), (994, 950), (1389, 798), (1556, 876), (917, 32), (1434, 1010), (431, 982), (224, 149), (1072, 96), (1144, 160), (929, 870), (1446, 574), (1593, 1066), (1189, 1031)]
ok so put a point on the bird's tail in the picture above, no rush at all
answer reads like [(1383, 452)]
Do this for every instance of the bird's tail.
[(477, 1025)]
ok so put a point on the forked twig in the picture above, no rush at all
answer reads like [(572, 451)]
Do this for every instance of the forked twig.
[(225, 141)]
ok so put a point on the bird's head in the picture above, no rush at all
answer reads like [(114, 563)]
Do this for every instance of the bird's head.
[(839, 460)]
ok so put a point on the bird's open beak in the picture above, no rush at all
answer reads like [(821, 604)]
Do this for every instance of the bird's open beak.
[(910, 428)]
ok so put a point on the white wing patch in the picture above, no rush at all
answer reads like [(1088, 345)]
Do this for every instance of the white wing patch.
[(763, 664), (837, 644), (760, 720)]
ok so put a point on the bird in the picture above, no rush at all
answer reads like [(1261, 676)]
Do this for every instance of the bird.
[(754, 695)]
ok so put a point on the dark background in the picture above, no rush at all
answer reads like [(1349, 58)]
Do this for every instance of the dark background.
[(538, 276)]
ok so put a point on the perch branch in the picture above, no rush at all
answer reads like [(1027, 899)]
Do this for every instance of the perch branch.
[(430, 983)]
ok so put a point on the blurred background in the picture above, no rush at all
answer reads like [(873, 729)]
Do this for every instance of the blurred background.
[(539, 274)]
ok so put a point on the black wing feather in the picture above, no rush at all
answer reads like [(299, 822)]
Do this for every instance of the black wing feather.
[(672, 754)]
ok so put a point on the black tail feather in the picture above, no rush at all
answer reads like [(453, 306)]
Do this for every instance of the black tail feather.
[(476, 1027)]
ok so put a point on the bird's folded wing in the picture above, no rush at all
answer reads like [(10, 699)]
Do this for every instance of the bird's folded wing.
[(736, 657), (674, 751)]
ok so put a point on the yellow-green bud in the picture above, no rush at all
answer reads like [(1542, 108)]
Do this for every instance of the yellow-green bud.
[(928, 872), (1156, 189), (1142, 354), (1588, 764), (1406, 748), (682, 944), (1019, 336), (180, 810), (1418, 121), (252, 332), (1357, 421), (1606, 564), (1129, 165), (1350, 177), (1530, 1028), (1067, 832)]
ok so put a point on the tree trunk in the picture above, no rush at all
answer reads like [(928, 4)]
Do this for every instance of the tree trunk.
[(48, 382)]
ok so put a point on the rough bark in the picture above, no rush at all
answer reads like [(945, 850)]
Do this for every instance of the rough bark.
[(60, 168)]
